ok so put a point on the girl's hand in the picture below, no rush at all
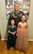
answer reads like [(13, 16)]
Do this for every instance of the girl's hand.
[(13, 33), (10, 32)]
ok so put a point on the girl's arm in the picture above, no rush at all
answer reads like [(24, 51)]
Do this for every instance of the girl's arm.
[(17, 29), (15, 32), (27, 30), (19, 25), (27, 26), (10, 32)]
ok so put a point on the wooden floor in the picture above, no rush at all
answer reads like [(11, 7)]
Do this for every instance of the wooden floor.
[(3, 49)]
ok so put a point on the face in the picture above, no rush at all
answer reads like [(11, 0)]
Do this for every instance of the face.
[(23, 18), (17, 7), (12, 22)]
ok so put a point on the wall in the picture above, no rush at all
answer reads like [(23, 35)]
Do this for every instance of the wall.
[(3, 20), (30, 22)]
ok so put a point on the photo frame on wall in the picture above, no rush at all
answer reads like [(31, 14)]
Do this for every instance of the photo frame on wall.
[(9, 7), (24, 7)]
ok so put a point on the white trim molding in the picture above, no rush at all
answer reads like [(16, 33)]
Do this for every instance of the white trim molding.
[(3, 39), (28, 39)]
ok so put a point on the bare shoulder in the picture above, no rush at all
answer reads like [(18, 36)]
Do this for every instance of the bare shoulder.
[(19, 22), (26, 23)]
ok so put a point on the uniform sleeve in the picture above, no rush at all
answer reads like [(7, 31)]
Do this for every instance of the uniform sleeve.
[(8, 27), (9, 20), (10, 17)]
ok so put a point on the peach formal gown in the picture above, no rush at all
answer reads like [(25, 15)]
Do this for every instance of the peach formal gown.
[(22, 36)]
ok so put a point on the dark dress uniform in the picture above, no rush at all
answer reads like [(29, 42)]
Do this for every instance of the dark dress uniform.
[(15, 16), (11, 38)]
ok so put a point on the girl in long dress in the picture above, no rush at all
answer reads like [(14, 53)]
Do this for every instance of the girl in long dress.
[(22, 35), (11, 35)]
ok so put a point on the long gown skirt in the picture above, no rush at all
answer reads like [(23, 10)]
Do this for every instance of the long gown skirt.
[(11, 41), (22, 39)]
